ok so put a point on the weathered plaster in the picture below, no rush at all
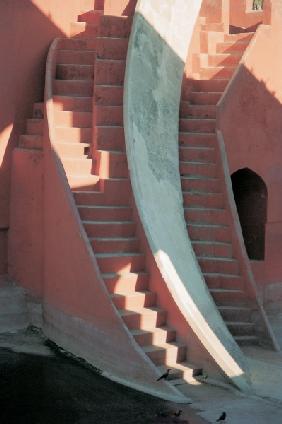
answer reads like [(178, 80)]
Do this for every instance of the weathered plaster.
[(158, 46)]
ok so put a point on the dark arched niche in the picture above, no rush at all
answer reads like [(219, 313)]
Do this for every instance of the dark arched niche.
[(250, 194)]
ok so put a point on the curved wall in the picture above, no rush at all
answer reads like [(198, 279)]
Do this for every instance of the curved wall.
[(155, 64)]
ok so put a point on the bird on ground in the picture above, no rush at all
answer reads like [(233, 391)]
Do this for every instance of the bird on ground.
[(221, 418), (178, 413), (165, 375)]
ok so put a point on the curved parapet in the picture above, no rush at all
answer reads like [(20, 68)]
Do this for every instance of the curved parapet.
[(79, 314), (155, 64)]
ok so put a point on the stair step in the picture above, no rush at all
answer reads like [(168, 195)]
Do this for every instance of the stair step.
[(134, 301), (212, 248), (205, 97), (228, 296), (206, 215), (166, 353), (184, 371), (216, 72), (80, 88), (144, 319), (38, 110), (197, 125), (115, 244), (120, 262), (118, 26), (79, 57), (209, 232), (108, 95), (70, 103), (246, 340), (197, 153), (211, 185), (105, 213), (109, 228), (84, 30), (158, 335), (111, 164), (213, 27), (83, 44), (77, 166), (126, 282), (28, 141), (212, 86), (86, 182), (198, 111), (112, 47), (108, 115), (235, 313), (88, 197), (74, 72), (197, 169), (109, 138), (218, 264), (224, 59), (231, 47), (73, 135), (72, 150), (190, 139), (73, 119), (246, 36), (109, 71), (34, 126), (203, 199), (91, 16), (216, 280), (238, 328)]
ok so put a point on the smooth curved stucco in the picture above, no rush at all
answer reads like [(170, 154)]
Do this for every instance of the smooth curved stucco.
[(158, 47)]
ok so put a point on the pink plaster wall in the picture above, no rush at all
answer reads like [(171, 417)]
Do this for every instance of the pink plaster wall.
[(254, 100), (26, 31), (25, 246), (242, 15), (119, 7)]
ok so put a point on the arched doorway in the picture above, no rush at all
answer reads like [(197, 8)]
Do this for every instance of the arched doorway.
[(250, 194)]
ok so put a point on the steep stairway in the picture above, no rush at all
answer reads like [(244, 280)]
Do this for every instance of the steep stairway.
[(202, 186), (33, 139), (94, 65)]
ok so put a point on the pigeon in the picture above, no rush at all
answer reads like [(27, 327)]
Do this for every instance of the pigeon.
[(178, 413), (221, 418), (165, 375)]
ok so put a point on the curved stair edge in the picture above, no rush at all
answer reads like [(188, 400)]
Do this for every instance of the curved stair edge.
[(181, 276)]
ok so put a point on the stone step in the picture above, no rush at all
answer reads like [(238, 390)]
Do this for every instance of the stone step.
[(109, 229), (126, 282)]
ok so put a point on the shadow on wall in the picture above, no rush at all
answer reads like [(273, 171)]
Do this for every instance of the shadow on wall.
[(25, 37)]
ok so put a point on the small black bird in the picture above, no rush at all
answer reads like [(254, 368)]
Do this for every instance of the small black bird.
[(178, 413), (165, 375), (222, 417)]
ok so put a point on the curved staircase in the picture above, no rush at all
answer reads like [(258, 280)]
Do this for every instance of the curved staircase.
[(94, 62), (206, 213)]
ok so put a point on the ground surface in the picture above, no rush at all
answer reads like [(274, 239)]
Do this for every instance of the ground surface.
[(41, 386)]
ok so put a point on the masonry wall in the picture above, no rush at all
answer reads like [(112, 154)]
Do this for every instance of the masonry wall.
[(26, 31)]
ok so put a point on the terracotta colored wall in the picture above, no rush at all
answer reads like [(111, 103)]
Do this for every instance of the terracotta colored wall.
[(119, 7), (242, 15), (25, 250), (26, 30), (254, 100)]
